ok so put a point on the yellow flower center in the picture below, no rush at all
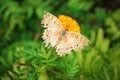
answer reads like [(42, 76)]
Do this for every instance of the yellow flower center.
[(69, 24)]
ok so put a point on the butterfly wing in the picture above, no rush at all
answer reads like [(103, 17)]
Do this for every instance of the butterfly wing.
[(53, 29), (71, 41), (50, 21)]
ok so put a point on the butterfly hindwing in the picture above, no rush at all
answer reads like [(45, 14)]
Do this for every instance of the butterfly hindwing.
[(71, 41), (51, 36)]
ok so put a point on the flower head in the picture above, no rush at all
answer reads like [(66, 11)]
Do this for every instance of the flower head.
[(69, 24)]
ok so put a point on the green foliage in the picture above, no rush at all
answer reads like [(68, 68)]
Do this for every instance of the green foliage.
[(113, 25), (93, 64), (23, 55)]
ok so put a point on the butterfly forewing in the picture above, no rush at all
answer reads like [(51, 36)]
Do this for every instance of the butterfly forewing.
[(53, 29), (50, 21)]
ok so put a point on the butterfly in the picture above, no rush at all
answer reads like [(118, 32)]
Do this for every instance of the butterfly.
[(64, 41)]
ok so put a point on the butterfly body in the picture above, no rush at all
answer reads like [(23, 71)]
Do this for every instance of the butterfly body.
[(58, 37)]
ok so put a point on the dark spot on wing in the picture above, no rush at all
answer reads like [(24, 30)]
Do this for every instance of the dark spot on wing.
[(77, 45)]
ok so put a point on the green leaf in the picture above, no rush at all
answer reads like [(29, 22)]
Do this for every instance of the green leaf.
[(12, 75), (88, 60), (95, 67), (93, 36), (43, 55), (99, 39), (116, 72), (116, 35), (31, 76), (10, 58), (114, 55), (43, 77), (43, 49), (39, 12), (72, 69), (12, 22), (52, 59), (3, 7), (107, 75), (28, 11), (100, 14), (116, 15), (105, 46), (49, 53), (85, 6), (109, 21), (20, 22), (80, 59), (3, 62), (6, 15)]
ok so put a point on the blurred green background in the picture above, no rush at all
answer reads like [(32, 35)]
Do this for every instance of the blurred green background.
[(24, 57)]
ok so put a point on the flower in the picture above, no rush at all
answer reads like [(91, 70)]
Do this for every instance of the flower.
[(69, 24)]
